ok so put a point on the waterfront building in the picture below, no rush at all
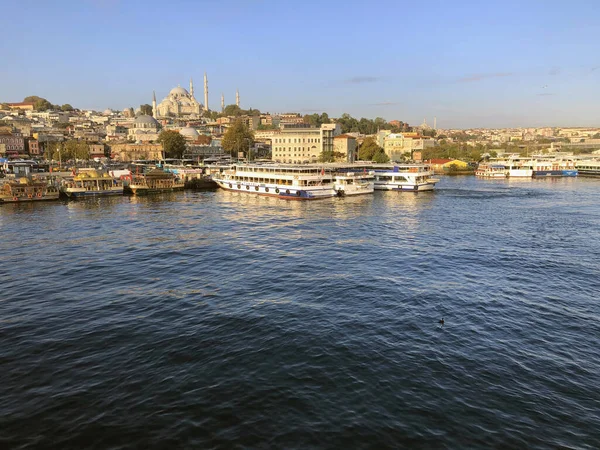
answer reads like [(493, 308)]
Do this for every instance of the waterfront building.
[(144, 129), (302, 143), (346, 146), (179, 103), (131, 152), (400, 145)]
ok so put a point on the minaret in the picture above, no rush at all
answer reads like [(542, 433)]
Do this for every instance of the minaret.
[(205, 92), (154, 104), (222, 102), (191, 87), (237, 97)]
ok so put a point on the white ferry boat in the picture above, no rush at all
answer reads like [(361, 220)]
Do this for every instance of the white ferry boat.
[(284, 181), (589, 167), (354, 183), (406, 177), (519, 168), (486, 170)]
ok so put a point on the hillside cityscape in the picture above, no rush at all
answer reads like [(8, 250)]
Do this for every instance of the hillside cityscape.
[(180, 126)]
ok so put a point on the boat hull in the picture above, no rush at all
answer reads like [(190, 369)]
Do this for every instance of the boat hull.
[(21, 199), (404, 187), (286, 192), (555, 173), (73, 193)]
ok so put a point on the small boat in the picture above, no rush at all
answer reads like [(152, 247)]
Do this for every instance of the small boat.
[(293, 182), (485, 170), (27, 189), (91, 183), (154, 181), (354, 183), (407, 177)]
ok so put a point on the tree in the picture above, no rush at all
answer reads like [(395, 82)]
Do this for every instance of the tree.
[(232, 110), (381, 157), (65, 151), (368, 149), (238, 138), (146, 109), (66, 107), (39, 103), (173, 143)]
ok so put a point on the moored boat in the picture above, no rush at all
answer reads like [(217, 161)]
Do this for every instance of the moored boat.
[(156, 180), (285, 181), (588, 168), (404, 177), (486, 170), (554, 168), (354, 183), (91, 183), (27, 189)]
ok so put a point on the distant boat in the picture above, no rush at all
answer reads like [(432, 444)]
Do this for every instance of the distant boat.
[(590, 167), (486, 170)]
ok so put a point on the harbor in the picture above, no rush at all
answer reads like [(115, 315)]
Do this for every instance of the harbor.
[(171, 294)]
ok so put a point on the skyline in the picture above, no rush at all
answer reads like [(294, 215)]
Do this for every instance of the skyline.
[(498, 65)]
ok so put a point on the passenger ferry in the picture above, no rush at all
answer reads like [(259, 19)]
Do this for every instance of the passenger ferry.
[(156, 180), (354, 183), (285, 181), (27, 189), (486, 170), (589, 168), (407, 177), (90, 183), (519, 168), (554, 168)]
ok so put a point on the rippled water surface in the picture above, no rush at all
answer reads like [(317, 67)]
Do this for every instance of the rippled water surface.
[(226, 320)]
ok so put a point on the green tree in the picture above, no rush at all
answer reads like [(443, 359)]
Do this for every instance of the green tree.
[(232, 110), (66, 107), (39, 103), (368, 149), (146, 109), (173, 143), (68, 150), (381, 157), (237, 138)]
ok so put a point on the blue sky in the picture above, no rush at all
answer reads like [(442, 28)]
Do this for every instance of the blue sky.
[(469, 63)]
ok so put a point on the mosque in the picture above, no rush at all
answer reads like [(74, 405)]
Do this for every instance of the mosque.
[(181, 103)]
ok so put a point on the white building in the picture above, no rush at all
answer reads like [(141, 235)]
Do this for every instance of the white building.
[(298, 144), (178, 103)]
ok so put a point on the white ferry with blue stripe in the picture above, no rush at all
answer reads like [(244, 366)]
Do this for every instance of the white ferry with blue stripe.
[(404, 177), (291, 182)]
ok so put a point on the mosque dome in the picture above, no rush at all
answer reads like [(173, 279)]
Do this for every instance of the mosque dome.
[(144, 121), (189, 133), (178, 91), (107, 112)]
